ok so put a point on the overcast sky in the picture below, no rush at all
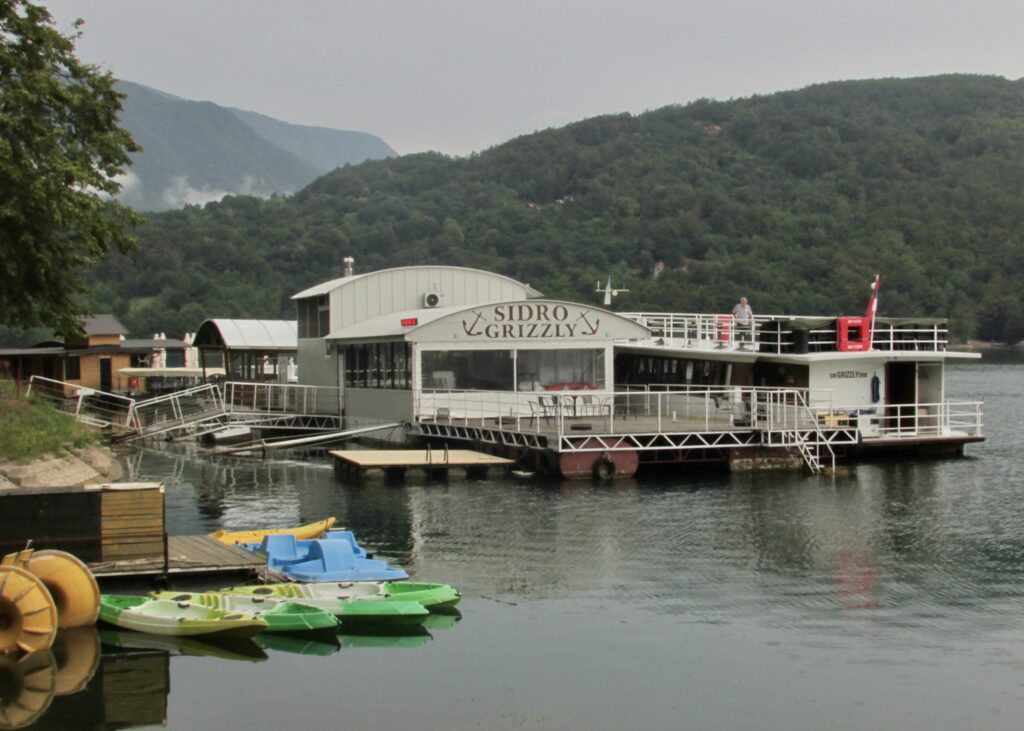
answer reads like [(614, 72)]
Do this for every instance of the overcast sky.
[(463, 76)]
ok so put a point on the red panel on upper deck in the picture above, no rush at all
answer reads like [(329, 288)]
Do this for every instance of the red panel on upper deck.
[(853, 334)]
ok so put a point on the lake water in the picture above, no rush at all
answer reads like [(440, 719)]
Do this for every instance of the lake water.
[(888, 598)]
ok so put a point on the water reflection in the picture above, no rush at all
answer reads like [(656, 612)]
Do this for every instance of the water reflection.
[(28, 685), (898, 574), (241, 650), (112, 678), (75, 684)]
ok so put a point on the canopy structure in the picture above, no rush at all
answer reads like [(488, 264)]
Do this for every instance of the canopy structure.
[(250, 350)]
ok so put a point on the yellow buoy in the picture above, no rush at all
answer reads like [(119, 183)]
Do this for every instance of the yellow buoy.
[(28, 615), (77, 652), (71, 584), (29, 684)]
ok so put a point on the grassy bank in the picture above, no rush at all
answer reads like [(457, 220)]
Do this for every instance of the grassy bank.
[(30, 428)]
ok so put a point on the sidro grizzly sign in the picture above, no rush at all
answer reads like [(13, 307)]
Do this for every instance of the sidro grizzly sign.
[(533, 321)]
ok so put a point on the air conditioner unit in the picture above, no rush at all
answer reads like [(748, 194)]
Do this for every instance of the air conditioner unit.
[(432, 299)]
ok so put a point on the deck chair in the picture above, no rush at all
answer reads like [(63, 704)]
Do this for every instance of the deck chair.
[(545, 407)]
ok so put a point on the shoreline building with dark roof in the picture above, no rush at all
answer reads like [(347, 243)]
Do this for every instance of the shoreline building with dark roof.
[(93, 359)]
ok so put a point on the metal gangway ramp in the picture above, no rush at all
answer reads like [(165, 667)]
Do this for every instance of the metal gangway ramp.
[(208, 406), (179, 411)]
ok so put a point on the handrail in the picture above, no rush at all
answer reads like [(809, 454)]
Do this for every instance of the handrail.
[(250, 397), (653, 409), (82, 401), (912, 420), (178, 407), (686, 408), (702, 331)]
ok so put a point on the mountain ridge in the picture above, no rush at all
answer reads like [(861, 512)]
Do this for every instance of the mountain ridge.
[(198, 151), (793, 199)]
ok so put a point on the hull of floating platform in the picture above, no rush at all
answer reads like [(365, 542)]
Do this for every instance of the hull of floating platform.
[(925, 446)]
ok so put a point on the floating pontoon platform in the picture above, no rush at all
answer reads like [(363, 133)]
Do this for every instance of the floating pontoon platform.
[(396, 461)]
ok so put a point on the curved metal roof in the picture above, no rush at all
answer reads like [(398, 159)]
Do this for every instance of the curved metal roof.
[(261, 335), (325, 287)]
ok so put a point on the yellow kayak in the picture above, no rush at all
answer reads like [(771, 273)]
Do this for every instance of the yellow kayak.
[(301, 532)]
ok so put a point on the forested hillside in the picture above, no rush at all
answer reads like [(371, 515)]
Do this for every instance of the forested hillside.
[(794, 200)]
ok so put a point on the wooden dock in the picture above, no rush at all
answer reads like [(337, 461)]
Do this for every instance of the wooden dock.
[(396, 461), (186, 555)]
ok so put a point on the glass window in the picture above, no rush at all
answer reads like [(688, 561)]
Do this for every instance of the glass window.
[(314, 316), (72, 368), (400, 360), (578, 368), (378, 365), (323, 321), (468, 370)]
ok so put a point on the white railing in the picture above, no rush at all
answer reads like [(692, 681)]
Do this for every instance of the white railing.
[(699, 331), (896, 421), (278, 398), (777, 334), (634, 410), (771, 408), (178, 408), (86, 404), (669, 408)]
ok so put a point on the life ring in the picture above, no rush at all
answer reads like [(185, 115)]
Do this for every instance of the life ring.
[(28, 615), (29, 685), (604, 467), (70, 583), (133, 383)]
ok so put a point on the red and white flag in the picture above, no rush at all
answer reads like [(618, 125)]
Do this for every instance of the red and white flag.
[(872, 309), (873, 302)]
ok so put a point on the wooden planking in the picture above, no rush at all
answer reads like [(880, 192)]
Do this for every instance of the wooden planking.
[(370, 458), (202, 553), (186, 555), (132, 523), (143, 550)]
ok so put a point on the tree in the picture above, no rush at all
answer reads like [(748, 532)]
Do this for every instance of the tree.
[(61, 150)]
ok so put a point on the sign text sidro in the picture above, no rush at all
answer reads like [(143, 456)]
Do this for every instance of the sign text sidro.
[(530, 321)]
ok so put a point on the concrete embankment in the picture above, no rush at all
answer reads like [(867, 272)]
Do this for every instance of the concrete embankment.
[(72, 467)]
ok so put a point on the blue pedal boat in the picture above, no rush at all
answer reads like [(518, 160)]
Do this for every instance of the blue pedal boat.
[(335, 558)]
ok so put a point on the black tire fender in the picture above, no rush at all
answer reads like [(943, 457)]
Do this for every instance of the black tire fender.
[(604, 467)]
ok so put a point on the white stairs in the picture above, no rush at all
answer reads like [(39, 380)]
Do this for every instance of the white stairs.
[(796, 440)]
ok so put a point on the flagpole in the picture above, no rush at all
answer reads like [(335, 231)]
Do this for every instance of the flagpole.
[(872, 309)]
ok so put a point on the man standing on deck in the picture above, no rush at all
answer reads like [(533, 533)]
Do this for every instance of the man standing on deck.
[(743, 318)]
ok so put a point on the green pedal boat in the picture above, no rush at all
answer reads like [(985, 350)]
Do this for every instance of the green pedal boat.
[(281, 615), (432, 596), (181, 619)]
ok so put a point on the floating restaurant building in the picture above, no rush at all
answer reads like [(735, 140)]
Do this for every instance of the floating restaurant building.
[(465, 356)]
